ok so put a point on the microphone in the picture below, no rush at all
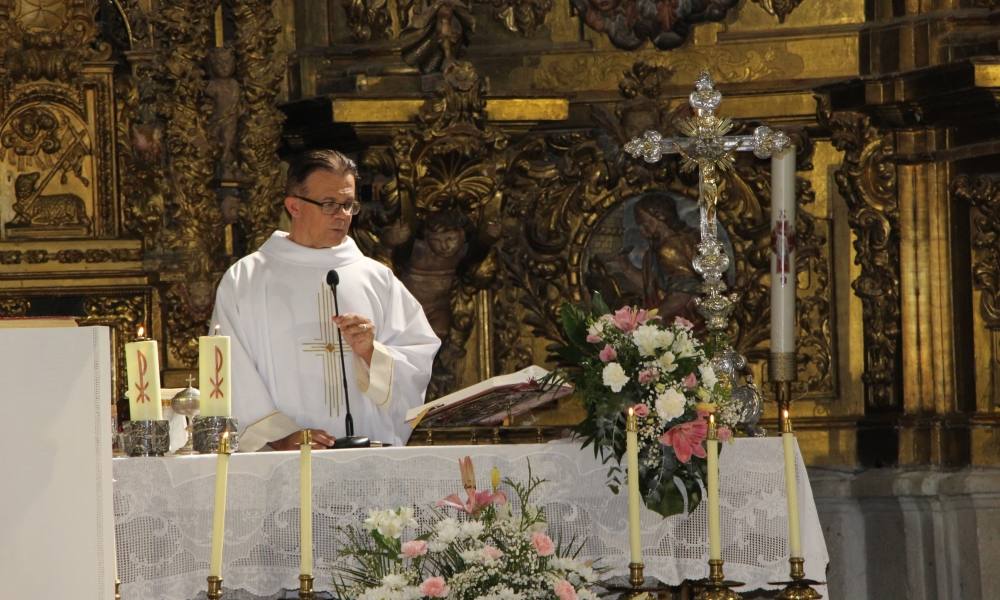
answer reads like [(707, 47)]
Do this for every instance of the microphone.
[(350, 441)]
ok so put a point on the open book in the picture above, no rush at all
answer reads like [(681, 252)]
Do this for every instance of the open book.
[(490, 402)]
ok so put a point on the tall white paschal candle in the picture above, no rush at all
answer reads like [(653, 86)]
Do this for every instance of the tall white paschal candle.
[(142, 366), (791, 488), (215, 383), (783, 211), (305, 504), (632, 455), (219, 509), (714, 516)]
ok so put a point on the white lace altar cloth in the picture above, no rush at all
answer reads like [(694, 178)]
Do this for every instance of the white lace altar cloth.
[(163, 513)]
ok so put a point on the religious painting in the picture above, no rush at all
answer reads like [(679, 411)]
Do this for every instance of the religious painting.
[(640, 253), (47, 173)]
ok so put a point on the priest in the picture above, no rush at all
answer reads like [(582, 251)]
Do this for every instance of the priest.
[(280, 313)]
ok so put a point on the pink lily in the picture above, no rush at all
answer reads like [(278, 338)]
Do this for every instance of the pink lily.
[(608, 353), (477, 499), (686, 439), (627, 318)]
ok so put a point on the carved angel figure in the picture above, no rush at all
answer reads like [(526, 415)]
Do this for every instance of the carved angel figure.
[(436, 34)]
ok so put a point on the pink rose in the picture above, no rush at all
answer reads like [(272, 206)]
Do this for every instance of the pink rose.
[(543, 544), (564, 590), (414, 548), (492, 553), (640, 410), (647, 375), (627, 319), (686, 439), (608, 354), (691, 381), (724, 434), (593, 338), (434, 587), (682, 322)]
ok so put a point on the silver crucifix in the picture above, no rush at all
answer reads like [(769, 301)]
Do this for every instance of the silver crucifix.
[(708, 149)]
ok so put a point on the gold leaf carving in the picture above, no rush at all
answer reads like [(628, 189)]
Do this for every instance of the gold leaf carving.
[(867, 180), (601, 71), (261, 69), (983, 195)]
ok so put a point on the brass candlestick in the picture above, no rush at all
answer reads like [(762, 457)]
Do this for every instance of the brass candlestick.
[(716, 587), (306, 587), (118, 589), (799, 588), (214, 587)]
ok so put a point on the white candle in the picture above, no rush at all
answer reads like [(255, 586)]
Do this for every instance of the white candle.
[(632, 454), (783, 251), (214, 375), (142, 366), (305, 504), (219, 512), (791, 489), (714, 528)]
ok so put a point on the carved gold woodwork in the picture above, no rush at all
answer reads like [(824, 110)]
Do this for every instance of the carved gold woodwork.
[(983, 195), (261, 69), (439, 200), (867, 181)]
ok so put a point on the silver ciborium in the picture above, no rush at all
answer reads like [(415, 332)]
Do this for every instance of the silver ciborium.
[(186, 402)]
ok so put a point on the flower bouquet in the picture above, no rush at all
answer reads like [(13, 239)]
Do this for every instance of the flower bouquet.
[(632, 359), (489, 552)]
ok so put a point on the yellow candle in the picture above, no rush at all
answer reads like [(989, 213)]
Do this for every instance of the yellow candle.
[(791, 489), (214, 375), (219, 514), (632, 452), (305, 504), (142, 366), (714, 529)]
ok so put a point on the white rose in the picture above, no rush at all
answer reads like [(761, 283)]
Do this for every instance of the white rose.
[(670, 404), (708, 378), (614, 376), (667, 362), (647, 339)]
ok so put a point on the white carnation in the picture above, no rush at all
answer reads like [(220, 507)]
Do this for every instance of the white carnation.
[(647, 338), (447, 530), (708, 378), (614, 376), (666, 362), (472, 529), (394, 581), (670, 404)]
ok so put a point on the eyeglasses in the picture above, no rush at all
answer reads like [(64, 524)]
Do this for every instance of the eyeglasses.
[(332, 208)]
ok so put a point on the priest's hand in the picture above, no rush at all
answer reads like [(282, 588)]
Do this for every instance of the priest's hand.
[(359, 333), (321, 440)]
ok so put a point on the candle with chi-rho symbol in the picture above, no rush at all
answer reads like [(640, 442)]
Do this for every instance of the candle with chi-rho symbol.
[(632, 455), (142, 367), (214, 375)]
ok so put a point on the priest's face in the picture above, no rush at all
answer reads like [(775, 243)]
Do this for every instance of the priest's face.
[(311, 226)]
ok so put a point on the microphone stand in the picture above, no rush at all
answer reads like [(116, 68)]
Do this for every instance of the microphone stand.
[(350, 440)]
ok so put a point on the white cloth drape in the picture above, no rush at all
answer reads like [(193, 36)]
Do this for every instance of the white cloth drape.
[(163, 513)]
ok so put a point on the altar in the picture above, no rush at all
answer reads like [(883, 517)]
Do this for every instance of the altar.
[(163, 512)]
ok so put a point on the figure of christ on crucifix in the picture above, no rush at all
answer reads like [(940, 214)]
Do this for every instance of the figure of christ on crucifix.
[(709, 150)]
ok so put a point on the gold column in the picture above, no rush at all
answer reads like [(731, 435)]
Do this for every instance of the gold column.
[(929, 390)]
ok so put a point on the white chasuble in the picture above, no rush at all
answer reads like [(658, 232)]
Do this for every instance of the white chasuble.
[(286, 363)]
